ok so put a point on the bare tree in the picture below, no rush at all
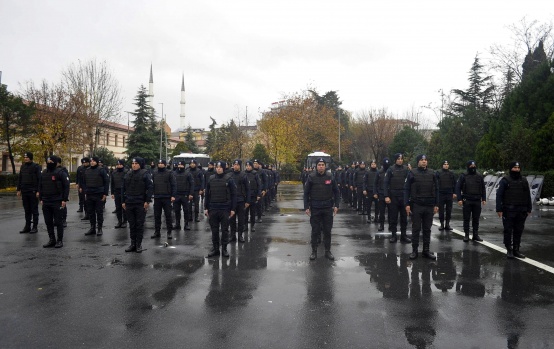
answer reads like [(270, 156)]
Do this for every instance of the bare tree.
[(526, 36), (373, 131), (100, 93)]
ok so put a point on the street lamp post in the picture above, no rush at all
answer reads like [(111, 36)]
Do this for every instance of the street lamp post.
[(339, 136)]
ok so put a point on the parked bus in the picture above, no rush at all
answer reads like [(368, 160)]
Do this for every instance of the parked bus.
[(202, 159), (311, 159)]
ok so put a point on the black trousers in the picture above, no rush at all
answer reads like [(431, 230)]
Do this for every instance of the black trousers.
[(321, 220), (370, 201), (362, 200), (422, 220), (382, 207), (196, 201), (219, 219), (165, 205), (136, 215), (445, 206), (237, 221), (260, 207), (30, 205), (181, 203), (251, 211), (344, 193), (81, 199), (514, 223), (118, 208), (53, 212), (95, 209), (471, 210), (397, 208)]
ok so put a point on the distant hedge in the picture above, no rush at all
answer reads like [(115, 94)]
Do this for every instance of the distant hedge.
[(10, 180)]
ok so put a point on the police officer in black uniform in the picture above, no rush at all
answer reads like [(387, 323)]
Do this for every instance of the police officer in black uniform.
[(96, 186), (116, 180), (471, 193), (53, 194), (165, 191), (66, 173), (85, 163), (447, 187), (395, 177), (379, 192), (199, 185), (237, 222), (27, 187), (255, 194), (219, 203), (263, 182), (369, 191), (185, 194), (513, 205), (136, 196), (421, 195), (358, 181), (321, 203)]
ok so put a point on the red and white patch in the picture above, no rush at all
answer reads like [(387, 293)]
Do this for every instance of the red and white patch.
[(328, 181)]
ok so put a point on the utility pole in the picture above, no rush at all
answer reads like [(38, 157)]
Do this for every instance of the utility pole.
[(339, 135)]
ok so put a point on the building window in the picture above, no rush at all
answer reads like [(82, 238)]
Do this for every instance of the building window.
[(116, 140), (107, 139), (124, 140)]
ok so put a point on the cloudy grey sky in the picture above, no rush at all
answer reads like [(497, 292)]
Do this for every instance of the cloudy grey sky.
[(246, 53)]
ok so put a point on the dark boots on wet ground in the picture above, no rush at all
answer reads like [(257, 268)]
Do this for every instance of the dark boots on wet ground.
[(329, 255), (214, 251), (509, 252), (381, 227), (119, 225), (517, 253), (132, 247), (233, 236), (447, 226), (224, 251), (428, 254), (476, 237), (51, 242), (26, 229), (34, 229), (99, 231), (414, 253), (404, 238), (169, 236), (442, 226), (313, 256), (466, 236), (156, 235), (393, 238), (241, 237), (139, 248), (187, 226), (59, 243), (91, 231)]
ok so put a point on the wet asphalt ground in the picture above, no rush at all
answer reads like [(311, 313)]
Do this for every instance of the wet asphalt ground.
[(91, 294)]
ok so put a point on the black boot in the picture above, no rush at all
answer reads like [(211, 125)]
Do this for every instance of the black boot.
[(91, 231), (414, 253), (509, 252), (252, 229), (313, 256), (214, 251), (59, 243), (51, 242), (224, 251), (64, 223), (80, 209), (187, 227), (34, 229), (476, 237), (517, 253), (466, 236), (241, 238), (156, 235), (393, 238), (26, 229), (85, 218), (139, 248), (329, 255), (99, 232), (427, 254), (169, 236), (442, 226), (132, 247), (447, 226), (381, 227), (404, 238), (119, 224), (233, 236)]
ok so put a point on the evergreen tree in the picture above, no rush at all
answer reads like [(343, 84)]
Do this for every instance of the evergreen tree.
[(143, 142), (408, 142), (190, 142), (260, 153)]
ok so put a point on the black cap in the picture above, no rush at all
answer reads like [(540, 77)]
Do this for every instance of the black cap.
[(95, 159), (55, 159), (250, 163), (385, 161), (192, 161), (397, 156), (162, 161), (445, 162), (421, 157), (29, 155), (470, 163), (514, 164), (237, 162), (121, 162), (85, 159), (222, 164), (180, 163)]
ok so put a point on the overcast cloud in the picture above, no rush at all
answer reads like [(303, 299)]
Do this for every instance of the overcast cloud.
[(241, 53)]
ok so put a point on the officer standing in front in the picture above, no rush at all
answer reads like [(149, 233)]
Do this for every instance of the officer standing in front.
[(395, 177), (237, 222), (185, 194), (513, 205), (53, 194), (219, 203), (116, 180), (165, 191), (447, 187), (421, 195), (471, 193), (96, 187), (321, 203), (136, 196), (27, 187)]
